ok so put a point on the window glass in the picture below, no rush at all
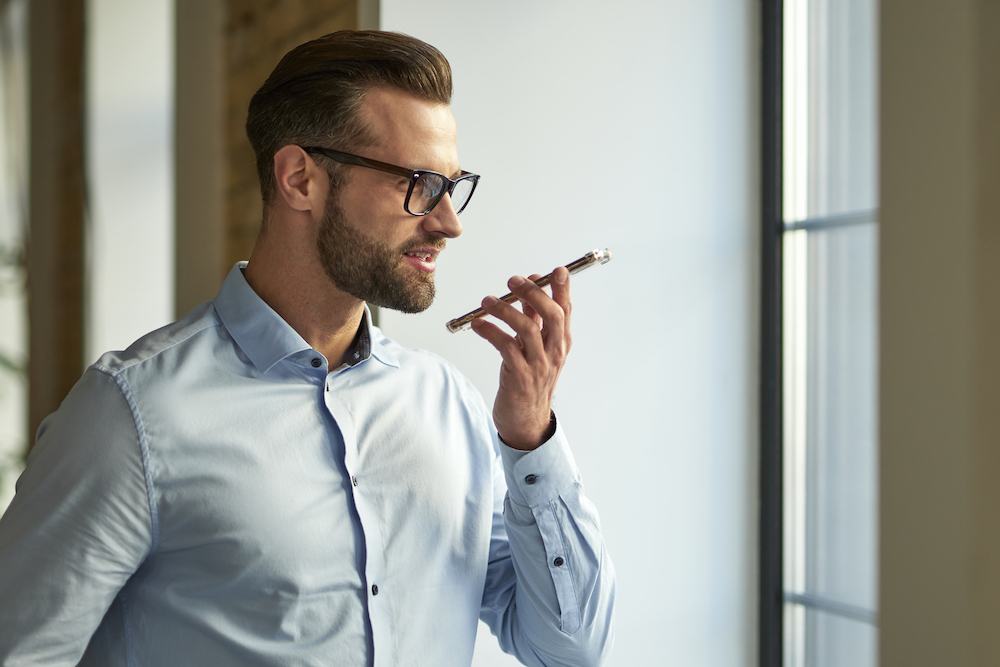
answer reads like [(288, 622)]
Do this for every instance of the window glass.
[(829, 355)]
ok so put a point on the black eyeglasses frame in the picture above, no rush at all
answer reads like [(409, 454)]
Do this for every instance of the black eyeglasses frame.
[(412, 174)]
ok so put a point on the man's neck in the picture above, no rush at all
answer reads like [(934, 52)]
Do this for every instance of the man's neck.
[(302, 294)]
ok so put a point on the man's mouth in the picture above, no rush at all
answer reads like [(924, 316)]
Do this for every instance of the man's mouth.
[(422, 258), (421, 254)]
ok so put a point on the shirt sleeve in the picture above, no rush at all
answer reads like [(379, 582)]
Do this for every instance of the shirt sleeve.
[(550, 585), (78, 526)]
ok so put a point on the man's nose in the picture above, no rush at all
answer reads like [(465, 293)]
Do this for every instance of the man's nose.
[(442, 220)]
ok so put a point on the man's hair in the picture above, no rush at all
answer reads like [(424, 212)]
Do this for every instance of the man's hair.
[(314, 93)]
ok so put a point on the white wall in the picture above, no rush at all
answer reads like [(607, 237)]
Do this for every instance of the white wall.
[(631, 125), (130, 237), (13, 213)]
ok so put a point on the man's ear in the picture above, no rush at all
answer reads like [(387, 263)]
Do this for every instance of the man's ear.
[(298, 179)]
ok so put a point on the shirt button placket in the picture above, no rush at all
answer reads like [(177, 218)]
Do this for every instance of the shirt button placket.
[(371, 534)]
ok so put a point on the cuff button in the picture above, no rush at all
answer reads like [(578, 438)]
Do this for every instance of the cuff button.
[(531, 479)]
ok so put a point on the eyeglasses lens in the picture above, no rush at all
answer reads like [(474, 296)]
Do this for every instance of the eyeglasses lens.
[(429, 188), (462, 193), (426, 193)]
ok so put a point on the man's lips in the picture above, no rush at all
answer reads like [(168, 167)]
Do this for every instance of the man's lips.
[(426, 253), (423, 258)]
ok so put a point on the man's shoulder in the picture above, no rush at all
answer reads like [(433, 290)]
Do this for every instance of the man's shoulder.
[(173, 339)]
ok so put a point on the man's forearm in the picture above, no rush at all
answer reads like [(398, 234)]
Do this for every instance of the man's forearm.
[(564, 590)]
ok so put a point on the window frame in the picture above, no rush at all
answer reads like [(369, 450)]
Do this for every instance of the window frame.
[(773, 596), (771, 528)]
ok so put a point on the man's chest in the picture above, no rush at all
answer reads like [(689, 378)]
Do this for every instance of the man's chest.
[(318, 491)]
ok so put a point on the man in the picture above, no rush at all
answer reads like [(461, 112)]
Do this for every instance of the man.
[(271, 480)]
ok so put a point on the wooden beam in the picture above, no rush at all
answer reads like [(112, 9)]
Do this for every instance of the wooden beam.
[(199, 166), (56, 204)]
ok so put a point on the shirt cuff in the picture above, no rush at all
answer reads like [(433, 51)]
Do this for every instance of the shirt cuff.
[(538, 476)]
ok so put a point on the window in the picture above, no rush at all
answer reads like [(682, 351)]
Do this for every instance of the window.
[(819, 398)]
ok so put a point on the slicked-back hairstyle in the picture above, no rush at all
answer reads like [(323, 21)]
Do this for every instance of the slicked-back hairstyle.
[(314, 93)]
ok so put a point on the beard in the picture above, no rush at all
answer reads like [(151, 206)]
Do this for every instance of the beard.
[(369, 269)]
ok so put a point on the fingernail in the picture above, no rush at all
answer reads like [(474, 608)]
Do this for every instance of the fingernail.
[(516, 281), (489, 301), (561, 275)]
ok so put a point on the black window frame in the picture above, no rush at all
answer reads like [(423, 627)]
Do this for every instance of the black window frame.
[(771, 528)]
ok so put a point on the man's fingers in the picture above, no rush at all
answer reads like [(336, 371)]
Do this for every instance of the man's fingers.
[(552, 315), (502, 341), (526, 307), (526, 328), (560, 294)]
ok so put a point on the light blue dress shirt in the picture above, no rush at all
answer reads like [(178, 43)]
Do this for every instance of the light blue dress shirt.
[(217, 495)]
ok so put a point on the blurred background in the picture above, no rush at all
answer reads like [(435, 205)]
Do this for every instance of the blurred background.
[(783, 390)]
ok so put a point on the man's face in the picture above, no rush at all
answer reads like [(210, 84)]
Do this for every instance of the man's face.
[(365, 236)]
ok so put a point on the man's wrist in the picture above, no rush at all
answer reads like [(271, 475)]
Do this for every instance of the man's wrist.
[(536, 477), (529, 444)]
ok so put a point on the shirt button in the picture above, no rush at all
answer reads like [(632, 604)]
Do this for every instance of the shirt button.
[(531, 479), (374, 589), (354, 480), (558, 562), (316, 362)]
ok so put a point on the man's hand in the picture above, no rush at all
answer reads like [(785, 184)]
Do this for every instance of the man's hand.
[(532, 359)]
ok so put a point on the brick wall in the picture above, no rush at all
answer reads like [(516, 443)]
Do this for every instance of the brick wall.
[(257, 34)]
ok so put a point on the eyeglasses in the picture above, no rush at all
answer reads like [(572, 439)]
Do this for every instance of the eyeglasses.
[(426, 187)]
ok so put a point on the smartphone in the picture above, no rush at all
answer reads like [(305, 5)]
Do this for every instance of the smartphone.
[(592, 258)]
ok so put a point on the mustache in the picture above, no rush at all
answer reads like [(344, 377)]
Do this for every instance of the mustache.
[(436, 244)]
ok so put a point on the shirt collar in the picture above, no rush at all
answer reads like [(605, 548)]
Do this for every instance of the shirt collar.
[(266, 338)]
